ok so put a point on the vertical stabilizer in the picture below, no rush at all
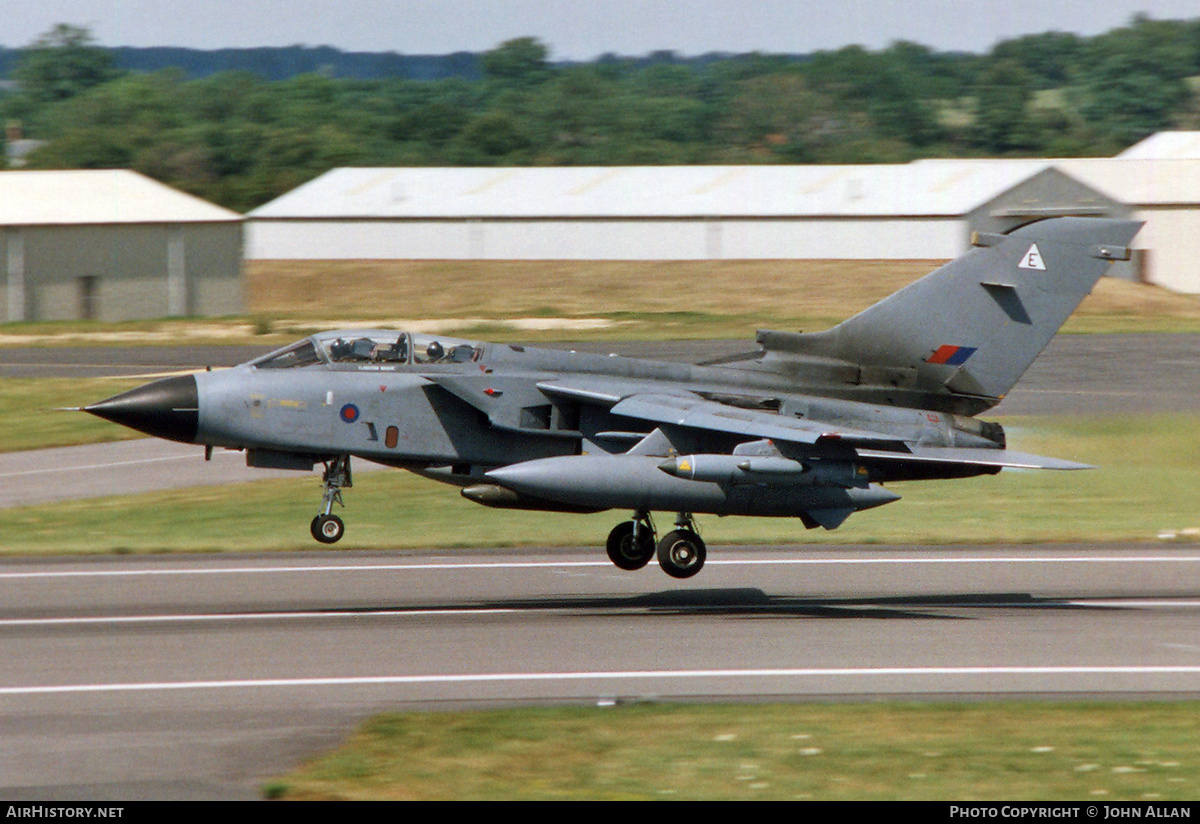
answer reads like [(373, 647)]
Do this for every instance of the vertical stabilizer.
[(973, 326)]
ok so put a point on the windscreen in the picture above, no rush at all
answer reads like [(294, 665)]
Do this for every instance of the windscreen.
[(299, 354)]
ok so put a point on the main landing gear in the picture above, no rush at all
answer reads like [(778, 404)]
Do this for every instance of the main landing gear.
[(327, 527), (681, 552), (631, 543)]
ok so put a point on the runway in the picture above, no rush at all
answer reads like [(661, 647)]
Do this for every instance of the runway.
[(168, 677), (199, 676)]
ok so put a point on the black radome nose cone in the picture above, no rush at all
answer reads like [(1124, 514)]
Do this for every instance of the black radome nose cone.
[(169, 408)]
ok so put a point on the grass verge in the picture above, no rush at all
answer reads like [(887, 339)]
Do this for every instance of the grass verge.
[(689, 299), (30, 416), (1010, 751), (598, 300)]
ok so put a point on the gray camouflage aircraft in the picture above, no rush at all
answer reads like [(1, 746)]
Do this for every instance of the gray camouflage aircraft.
[(809, 426)]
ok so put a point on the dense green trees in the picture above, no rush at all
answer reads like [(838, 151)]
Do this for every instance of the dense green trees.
[(61, 64), (240, 140)]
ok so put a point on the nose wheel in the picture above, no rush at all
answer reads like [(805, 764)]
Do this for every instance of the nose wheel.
[(327, 527)]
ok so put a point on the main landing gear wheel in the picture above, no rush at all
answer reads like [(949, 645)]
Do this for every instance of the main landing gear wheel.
[(681, 553), (631, 545), (328, 529)]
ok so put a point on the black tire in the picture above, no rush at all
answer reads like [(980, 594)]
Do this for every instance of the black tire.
[(626, 552), (328, 529), (681, 553)]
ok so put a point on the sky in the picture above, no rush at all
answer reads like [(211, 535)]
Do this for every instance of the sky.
[(574, 29)]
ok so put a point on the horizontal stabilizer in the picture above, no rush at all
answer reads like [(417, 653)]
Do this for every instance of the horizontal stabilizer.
[(971, 457)]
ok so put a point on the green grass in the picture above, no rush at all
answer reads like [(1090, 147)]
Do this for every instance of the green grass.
[(29, 418), (1010, 751), (1148, 482)]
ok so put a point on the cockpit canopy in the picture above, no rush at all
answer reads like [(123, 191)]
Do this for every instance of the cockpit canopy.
[(374, 348)]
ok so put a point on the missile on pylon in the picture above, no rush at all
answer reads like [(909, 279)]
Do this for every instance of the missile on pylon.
[(740, 470)]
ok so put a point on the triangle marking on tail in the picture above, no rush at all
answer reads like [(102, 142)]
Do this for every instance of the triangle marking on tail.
[(1032, 259)]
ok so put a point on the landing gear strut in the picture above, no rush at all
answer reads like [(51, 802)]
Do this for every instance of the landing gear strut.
[(631, 543), (327, 527), (681, 552)]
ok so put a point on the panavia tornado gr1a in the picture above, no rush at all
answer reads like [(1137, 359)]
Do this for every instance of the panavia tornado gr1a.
[(810, 426)]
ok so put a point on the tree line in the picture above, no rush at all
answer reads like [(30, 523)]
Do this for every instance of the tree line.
[(240, 138), (280, 63)]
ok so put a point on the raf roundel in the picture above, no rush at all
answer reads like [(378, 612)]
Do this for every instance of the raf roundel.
[(349, 413)]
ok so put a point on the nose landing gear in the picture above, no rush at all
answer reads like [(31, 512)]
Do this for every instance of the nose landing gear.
[(327, 527)]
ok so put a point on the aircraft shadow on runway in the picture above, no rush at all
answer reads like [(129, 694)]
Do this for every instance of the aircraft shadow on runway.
[(752, 602)]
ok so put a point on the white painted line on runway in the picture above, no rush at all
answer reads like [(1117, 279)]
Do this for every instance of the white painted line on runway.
[(1116, 393), (638, 675), (434, 566), (196, 457), (102, 573), (179, 370), (1134, 604), (1083, 559), (248, 616)]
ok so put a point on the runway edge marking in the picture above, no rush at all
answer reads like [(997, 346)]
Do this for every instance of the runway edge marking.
[(384, 680)]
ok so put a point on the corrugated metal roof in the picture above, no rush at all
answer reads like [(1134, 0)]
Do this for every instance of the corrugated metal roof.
[(1139, 182), (95, 197), (942, 188), (1165, 146)]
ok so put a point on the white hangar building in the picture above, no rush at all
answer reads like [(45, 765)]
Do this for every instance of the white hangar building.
[(113, 245), (1159, 180), (921, 210)]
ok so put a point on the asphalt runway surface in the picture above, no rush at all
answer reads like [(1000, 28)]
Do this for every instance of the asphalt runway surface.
[(199, 677)]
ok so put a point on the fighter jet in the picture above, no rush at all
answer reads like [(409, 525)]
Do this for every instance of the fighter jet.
[(809, 426)]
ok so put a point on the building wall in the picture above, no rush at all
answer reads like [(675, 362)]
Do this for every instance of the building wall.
[(1171, 237), (214, 268), (8, 237), (125, 272), (599, 239), (843, 239)]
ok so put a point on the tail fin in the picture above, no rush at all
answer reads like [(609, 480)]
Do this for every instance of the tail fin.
[(973, 326)]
